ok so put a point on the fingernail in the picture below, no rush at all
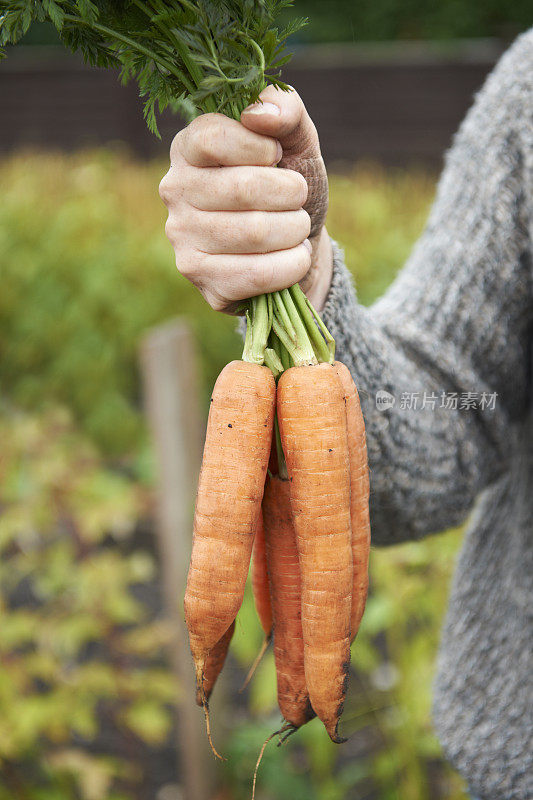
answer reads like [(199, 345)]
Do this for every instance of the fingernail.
[(279, 153), (263, 108), (307, 243)]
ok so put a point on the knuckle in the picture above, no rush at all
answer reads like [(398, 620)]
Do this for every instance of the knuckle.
[(211, 295), (271, 152), (301, 187), (257, 229), (187, 264), (172, 186), (175, 146), (208, 133), (305, 221), (298, 263), (303, 261), (262, 276), (165, 188), (244, 189), (171, 228), (216, 302)]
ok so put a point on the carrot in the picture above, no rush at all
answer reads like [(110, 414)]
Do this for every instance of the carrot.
[(228, 504), (360, 489), (213, 666), (260, 587), (285, 586), (312, 419), (261, 593)]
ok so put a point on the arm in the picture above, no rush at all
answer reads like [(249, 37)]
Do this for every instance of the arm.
[(456, 319)]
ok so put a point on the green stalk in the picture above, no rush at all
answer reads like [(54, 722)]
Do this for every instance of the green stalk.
[(257, 330), (273, 362), (283, 315), (302, 336), (131, 43), (248, 338), (275, 344), (301, 353), (285, 358), (192, 68), (321, 346), (282, 464), (320, 322)]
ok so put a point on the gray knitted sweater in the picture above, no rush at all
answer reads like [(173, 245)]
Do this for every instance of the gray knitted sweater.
[(457, 320)]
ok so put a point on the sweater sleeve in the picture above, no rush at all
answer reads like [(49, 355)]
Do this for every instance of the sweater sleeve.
[(442, 359)]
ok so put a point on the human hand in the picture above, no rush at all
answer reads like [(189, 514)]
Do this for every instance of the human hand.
[(239, 226)]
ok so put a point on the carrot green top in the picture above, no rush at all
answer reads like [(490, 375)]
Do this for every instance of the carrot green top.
[(194, 57)]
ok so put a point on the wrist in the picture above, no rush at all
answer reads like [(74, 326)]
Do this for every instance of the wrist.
[(317, 282)]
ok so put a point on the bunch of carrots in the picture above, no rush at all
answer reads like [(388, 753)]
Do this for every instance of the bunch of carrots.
[(284, 471), (284, 475)]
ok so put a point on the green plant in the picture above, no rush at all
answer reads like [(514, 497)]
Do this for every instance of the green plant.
[(192, 56), (195, 57), (76, 647)]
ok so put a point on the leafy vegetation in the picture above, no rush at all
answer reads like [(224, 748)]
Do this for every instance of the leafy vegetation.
[(86, 269), (194, 57), (76, 646), (368, 21)]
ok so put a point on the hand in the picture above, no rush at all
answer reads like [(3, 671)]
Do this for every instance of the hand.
[(239, 226)]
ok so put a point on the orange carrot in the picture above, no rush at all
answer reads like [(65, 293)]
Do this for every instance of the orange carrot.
[(213, 666), (285, 586), (261, 593), (260, 587), (360, 489), (228, 504), (312, 419)]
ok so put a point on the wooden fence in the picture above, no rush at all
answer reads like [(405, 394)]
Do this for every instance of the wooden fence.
[(397, 103), (168, 365)]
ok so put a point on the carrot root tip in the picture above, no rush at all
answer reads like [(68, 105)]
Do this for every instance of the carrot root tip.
[(267, 740), (208, 731), (204, 702), (291, 729), (334, 735)]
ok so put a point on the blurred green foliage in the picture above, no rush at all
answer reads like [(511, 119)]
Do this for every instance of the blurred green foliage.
[(382, 20), (75, 645), (85, 270)]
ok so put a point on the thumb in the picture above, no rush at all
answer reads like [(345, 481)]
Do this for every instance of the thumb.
[(283, 116)]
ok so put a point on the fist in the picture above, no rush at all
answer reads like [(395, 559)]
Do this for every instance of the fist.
[(240, 225)]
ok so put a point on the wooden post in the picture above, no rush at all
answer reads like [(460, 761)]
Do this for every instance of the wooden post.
[(168, 363)]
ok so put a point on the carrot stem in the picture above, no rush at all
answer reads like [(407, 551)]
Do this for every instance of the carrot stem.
[(273, 362), (302, 353), (283, 315), (297, 321), (257, 330), (285, 357), (308, 316), (282, 465), (320, 322)]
